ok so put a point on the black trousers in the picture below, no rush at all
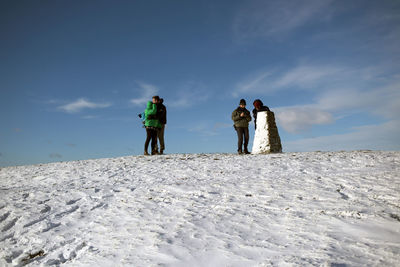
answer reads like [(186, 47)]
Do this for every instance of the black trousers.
[(151, 135), (243, 135), (160, 135)]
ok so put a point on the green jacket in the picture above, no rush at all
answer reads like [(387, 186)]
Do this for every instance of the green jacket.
[(238, 121), (150, 114)]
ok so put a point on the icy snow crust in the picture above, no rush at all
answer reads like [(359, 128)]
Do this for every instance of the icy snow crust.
[(329, 209)]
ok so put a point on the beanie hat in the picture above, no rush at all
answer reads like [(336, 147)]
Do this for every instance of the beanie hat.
[(242, 102)]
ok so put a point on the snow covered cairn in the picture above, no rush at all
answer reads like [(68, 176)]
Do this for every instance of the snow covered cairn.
[(266, 137)]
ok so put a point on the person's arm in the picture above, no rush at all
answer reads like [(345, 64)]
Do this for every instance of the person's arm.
[(236, 116), (151, 112), (248, 116)]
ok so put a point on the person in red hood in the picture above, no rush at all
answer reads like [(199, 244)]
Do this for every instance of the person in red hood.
[(258, 106)]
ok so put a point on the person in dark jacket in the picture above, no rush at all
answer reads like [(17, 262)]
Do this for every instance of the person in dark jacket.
[(258, 106), (162, 116), (241, 118)]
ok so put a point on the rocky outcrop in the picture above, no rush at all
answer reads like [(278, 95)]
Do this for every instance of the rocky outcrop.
[(266, 137)]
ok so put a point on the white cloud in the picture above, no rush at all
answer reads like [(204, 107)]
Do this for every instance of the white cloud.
[(308, 76), (222, 125), (262, 19), (208, 128), (147, 91), (89, 117), (189, 94), (343, 99), (331, 104), (383, 26), (338, 91), (260, 82), (55, 156), (384, 136), (81, 104), (388, 105), (302, 77), (297, 119), (203, 128), (383, 101)]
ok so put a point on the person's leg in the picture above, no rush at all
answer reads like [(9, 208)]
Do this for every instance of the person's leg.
[(239, 132), (146, 144), (155, 149), (246, 139), (153, 141), (161, 138)]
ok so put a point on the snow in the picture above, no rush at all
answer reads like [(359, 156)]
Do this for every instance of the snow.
[(317, 208)]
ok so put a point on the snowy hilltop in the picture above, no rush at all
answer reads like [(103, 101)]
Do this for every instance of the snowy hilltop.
[(319, 208)]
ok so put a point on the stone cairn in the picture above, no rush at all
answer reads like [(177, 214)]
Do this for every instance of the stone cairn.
[(266, 137)]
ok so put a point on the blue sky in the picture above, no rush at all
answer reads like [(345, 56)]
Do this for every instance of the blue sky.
[(75, 74)]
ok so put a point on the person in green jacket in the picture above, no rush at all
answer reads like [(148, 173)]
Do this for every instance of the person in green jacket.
[(241, 118), (152, 125)]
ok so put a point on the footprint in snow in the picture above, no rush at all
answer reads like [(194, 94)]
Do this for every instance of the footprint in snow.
[(43, 201), (4, 216), (72, 201), (32, 256), (46, 209), (50, 226), (13, 256), (34, 222), (343, 195), (71, 210), (395, 216), (10, 225), (99, 206), (62, 259)]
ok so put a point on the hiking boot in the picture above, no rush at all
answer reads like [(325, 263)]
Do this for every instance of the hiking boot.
[(240, 151), (246, 151), (161, 152), (145, 153)]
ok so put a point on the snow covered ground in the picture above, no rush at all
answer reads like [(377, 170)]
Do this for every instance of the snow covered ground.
[(319, 208)]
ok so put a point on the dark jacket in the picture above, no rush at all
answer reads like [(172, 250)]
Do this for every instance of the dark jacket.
[(162, 113), (241, 121)]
